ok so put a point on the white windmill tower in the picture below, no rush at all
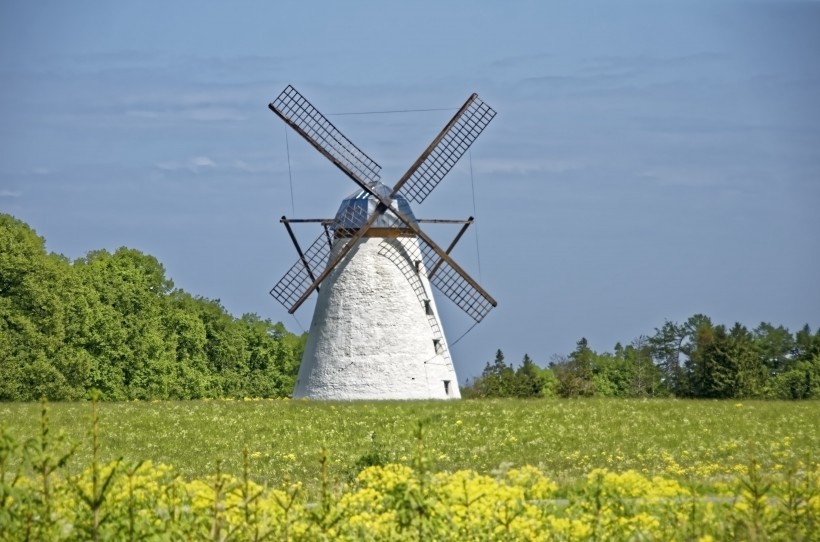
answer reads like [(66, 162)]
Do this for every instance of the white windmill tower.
[(376, 332)]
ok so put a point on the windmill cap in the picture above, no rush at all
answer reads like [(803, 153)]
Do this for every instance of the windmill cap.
[(357, 208)]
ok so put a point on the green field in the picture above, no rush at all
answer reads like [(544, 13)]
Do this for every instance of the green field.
[(618, 469), (697, 439)]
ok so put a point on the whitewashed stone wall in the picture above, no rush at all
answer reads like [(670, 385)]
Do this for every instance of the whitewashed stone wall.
[(371, 336)]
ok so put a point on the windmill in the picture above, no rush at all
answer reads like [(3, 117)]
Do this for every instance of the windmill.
[(376, 332)]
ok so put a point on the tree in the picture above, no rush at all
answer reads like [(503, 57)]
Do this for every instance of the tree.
[(666, 347), (271, 356), (725, 364), (575, 373), (527, 382), (497, 378), (33, 316), (698, 333), (807, 346), (128, 334), (706, 361), (113, 322), (645, 376), (800, 378), (750, 372), (776, 347)]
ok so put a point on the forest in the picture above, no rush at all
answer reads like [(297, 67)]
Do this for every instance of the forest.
[(114, 323), (696, 359)]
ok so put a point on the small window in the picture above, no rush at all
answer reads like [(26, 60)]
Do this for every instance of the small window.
[(437, 346), (447, 388), (428, 308)]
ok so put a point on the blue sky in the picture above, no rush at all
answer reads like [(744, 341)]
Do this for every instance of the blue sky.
[(649, 160)]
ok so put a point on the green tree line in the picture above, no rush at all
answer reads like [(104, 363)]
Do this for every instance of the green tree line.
[(695, 359), (115, 323)]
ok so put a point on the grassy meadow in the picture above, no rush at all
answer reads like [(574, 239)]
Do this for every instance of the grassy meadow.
[(572, 469), (698, 440)]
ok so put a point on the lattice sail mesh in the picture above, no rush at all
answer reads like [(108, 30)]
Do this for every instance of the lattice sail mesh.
[(298, 279), (447, 280), (454, 286), (404, 258), (304, 273), (448, 151), (322, 134), (398, 253)]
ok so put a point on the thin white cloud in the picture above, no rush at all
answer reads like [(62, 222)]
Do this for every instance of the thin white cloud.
[(10, 194), (194, 165), (202, 161)]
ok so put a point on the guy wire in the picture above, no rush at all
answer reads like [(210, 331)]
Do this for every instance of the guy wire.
[(391, 111), (455, 342), (298, 323), (475, 214), (290, 175)]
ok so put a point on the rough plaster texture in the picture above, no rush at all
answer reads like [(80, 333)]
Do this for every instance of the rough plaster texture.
[(372, 334)]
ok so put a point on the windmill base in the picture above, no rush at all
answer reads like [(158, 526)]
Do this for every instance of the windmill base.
[(376, 333)]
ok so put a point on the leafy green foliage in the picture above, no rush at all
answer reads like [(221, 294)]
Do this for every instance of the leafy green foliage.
[(115, 323), (501, 380), (696, 359)]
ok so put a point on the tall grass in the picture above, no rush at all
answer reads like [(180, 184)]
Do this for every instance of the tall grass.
[(749, 484), (699, 440)]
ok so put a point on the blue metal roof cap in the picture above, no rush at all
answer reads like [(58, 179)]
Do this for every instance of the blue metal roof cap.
[(357, 208)]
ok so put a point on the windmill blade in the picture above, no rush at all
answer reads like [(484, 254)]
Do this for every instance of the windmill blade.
[(457, 287), (446, 279), (312, 268), (301, 274), (300, 115), (453, 244), (450, 278), (296, 286), (443, 153)]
